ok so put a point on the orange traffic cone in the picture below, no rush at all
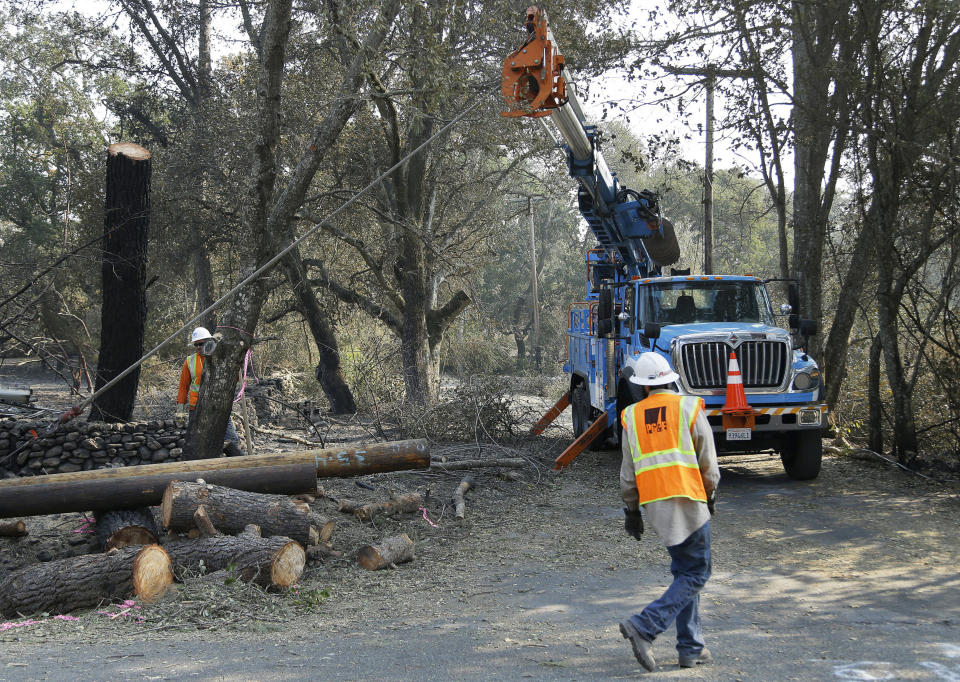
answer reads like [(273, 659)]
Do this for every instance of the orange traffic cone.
[(737, 413)]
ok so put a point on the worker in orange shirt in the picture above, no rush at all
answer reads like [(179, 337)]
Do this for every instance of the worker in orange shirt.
[(190, 377)]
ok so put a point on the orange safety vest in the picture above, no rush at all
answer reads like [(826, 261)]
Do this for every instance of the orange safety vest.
[(659, 432), (195, 365)]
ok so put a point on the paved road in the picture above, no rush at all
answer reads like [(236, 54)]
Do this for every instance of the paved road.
[(852, 577)]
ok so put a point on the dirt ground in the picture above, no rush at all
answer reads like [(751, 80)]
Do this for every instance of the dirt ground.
[(852, 576)]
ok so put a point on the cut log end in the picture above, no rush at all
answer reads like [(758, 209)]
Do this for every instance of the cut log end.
[(130, 150), (152, 573), (131, 535), (288, 565), (13, 529)]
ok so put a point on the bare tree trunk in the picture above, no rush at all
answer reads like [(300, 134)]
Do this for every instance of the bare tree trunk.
[(328, 371), (838, 341), (123, 314), (875, 426)]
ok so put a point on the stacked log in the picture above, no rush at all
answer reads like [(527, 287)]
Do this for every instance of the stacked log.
[(230, 511), (84, 581), (125, 527), (269, 562)]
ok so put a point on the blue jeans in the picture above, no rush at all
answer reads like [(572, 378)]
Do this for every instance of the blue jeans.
[(229, 435), (690, 566)]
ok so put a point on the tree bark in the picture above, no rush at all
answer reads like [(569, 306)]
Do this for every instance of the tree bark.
[(479, 463), (125, 527), (268, 562), (78, 582), (391, 551), (123, 313), (875, 421), (232, 510)]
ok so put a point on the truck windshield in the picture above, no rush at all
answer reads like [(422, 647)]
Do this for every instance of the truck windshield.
[(683, 302)]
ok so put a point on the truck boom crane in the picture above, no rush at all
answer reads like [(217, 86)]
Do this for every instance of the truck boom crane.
[(627, 223)]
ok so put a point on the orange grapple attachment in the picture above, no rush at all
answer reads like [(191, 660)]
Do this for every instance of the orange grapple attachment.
[(532, 82)]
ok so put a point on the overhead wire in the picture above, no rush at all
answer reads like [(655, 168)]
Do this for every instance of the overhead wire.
[(76, 410)]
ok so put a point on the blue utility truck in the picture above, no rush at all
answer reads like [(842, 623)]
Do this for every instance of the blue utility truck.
[(697, 322)]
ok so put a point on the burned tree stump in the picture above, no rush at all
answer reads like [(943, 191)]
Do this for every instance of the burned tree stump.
[(83, 581), (125, 527), (123, 313), (398, 505), (268, 562), (391, 551), (230, 510)]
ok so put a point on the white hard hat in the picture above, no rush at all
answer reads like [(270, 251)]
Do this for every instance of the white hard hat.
[(200, 334), (651, 369)]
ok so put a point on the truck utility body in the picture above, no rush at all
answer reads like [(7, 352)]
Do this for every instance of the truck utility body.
[(702, 324)]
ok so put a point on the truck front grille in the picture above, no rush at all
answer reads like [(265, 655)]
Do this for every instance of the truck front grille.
[(763, 364)]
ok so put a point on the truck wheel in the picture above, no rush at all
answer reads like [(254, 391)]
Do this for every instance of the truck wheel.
[(802, 455), (580, 410)]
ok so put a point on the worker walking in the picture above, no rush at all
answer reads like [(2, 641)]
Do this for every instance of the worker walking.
[(670, 469), (190, 377)]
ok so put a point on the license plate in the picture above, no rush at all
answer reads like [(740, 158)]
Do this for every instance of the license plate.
[(738, 434)]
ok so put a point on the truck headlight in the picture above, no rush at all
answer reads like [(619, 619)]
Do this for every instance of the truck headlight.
[(805, 381)]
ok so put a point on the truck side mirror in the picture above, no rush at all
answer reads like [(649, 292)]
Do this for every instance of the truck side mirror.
[(793, 321), (808, 328), (651, 330)]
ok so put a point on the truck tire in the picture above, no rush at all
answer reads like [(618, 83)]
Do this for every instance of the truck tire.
[(802, 455), (580, 410)]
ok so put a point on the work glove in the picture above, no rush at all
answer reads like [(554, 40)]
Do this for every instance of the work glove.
[(181, 410), (712, 502), (633, 523)]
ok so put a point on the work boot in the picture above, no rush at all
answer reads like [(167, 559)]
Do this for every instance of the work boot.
[(231, 450), (642, 648), (690, 660)]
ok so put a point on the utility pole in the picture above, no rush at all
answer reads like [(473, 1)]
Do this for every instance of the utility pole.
[(708, 181), (533, 282)]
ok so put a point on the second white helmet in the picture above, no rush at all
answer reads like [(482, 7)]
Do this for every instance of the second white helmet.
[(651, 369), (200, 334)]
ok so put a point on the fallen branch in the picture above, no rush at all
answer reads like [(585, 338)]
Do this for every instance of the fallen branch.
[(479, 463), (398, 505), (468, 483)]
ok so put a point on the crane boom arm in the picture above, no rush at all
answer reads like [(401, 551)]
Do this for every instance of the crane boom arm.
[(627, 223)]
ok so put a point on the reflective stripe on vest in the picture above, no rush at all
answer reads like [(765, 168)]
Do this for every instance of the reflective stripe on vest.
[(195, 365), (659, 431)]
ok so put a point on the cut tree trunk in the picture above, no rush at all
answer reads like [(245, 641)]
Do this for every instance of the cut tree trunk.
[(458, 502), (84, 581), (268, 562), (13, 529), (398, 505), (139, 486), (123, 313), (391, 551), (231, 510), (125, 527)]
